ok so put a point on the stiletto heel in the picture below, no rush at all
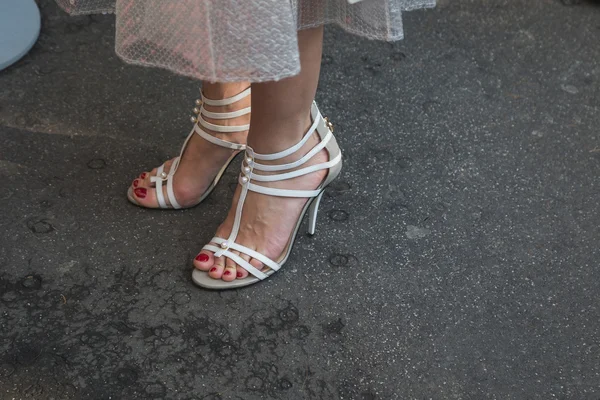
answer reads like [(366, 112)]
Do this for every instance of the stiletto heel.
[(200, 124), (249, 180), (312, 214)]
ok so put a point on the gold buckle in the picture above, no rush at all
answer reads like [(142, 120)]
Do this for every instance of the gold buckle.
[(329, 124)]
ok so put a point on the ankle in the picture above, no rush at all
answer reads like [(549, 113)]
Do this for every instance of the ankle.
[(218, 91), (277, 134)]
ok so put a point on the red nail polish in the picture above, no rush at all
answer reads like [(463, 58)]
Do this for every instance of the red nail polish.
[(143, 175), (227, 273), (202, 257), (213, 269), (140, 192), (135, 183), (239, 274)]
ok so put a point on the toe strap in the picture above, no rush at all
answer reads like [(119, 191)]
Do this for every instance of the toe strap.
[(224, 248), (158, 181), (225, 245), (239, 261)]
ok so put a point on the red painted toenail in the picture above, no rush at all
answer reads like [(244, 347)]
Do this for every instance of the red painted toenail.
[(213, 269), (227, 273), (202, 257), (135, 183), (140, 192), (239, 274), (143, 175)]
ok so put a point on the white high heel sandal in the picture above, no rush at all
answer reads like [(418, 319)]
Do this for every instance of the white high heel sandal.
[(199, 123), (249, 175)]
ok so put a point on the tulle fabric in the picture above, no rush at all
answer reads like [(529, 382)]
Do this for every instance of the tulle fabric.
[(236, 40)]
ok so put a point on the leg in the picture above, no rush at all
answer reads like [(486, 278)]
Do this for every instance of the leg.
[(280, 118), (201, 159), (282, 109)]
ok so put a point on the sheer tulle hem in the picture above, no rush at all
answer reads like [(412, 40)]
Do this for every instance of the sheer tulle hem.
[(232, 40)]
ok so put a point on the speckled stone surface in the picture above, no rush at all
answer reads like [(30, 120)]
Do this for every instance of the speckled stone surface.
[(456, 257)]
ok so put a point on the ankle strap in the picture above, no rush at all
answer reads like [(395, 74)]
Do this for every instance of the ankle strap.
[(251, 169), (202, 112)]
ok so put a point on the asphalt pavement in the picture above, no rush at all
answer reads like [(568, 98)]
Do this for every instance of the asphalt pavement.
[(455, 258)]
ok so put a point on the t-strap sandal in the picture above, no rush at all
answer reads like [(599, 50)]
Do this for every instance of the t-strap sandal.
[(250, 179)]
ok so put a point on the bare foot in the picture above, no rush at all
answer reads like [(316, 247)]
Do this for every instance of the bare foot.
[(267, 222), (199, 164)]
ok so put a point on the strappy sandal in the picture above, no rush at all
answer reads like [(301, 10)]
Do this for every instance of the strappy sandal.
[(200, 123), (250, 174)]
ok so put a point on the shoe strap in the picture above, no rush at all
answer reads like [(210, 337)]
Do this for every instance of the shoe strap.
[(158, 181), (243, 249), (225, 115), (238, 260), (202, 112), (223, 128), (216, 140), (251, 170)]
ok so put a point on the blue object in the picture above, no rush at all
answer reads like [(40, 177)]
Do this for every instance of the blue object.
[(19, 29)]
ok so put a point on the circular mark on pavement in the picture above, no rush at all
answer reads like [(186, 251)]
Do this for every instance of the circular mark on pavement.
[(39, 226), (163, 331), (9, 297), (338, 215), (342, 260), (45, 204), (398, 56), (6, 194), (34, 391), (334, 327), (300, 332), (126, 376), (181, 298), (6, 370), (162, 280), (289, 314), (274, 323), (65, 192), (32, 282), (156, 390), (68, 392), (93, 339), (254, 383), (51, 299), (96, 163), (284, 384)]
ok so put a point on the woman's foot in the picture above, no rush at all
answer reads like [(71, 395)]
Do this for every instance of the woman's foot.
[(201, 160), (267, 222)]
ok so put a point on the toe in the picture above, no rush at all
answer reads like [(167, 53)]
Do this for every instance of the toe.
[(216, 271), (144, 178), (204, 260), (241, 273), (145, 196), (230, 269), (257, 264)]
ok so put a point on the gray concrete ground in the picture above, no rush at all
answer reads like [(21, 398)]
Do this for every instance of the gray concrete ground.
[(456, 258)]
